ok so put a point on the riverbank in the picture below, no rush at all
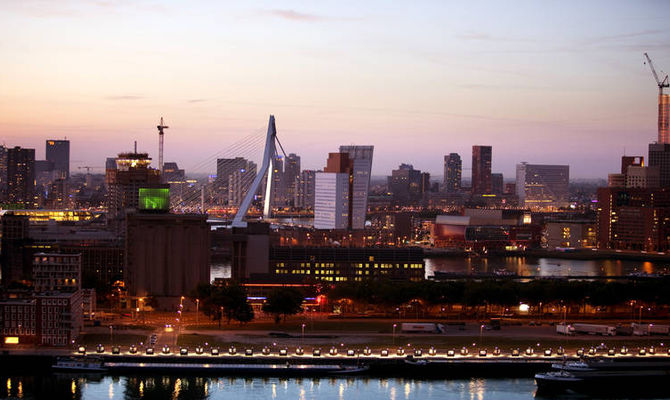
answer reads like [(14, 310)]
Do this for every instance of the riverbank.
[(571, 254)]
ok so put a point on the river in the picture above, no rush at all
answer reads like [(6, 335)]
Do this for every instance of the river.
[(190, 387), (524, 266)]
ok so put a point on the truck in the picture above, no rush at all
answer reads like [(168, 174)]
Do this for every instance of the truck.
[(565, 329), (595, 329), (418, 327), (649, 329)]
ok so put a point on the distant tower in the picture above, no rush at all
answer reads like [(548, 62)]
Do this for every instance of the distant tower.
[(160, 145), (452, 172), (481, 169)]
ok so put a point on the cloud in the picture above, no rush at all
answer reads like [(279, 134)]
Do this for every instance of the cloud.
[(196, 100), (124, 97), (293, 15)]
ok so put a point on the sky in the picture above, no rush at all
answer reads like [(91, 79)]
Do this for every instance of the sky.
[(555, 82)]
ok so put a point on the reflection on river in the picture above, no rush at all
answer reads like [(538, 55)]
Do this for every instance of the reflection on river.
[(525, 266), (190, 387)]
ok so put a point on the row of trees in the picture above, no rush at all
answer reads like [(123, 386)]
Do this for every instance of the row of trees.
[(231, 302), (504, 292)]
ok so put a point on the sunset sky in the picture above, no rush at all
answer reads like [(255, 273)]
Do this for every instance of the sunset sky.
[(540, 81)]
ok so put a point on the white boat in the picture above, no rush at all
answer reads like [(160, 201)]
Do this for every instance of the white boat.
[(79, 364)]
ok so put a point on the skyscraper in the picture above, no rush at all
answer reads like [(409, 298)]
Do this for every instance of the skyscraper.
[(497, 184), (226, 166), (664, 118), (304, 189), (542, 185), (278, 183), (3, 173), (362, 168), (407, 185), (332, 193), (239, 182), (291, 173), (21, 176), (58, 152), (659, 156), (452, 172), (481, 169)]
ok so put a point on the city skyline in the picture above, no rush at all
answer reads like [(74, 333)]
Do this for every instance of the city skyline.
[(542, 83)]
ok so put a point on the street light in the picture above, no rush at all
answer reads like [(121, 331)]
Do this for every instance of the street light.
[(481, 332), (111, 334), (303, 334), (394, 326), (197, 308)]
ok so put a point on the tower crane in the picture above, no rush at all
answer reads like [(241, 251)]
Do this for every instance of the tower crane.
[(160, 144), (661, 83)]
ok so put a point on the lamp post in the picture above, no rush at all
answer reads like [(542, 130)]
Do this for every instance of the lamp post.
[(197, 308), (394, 326), (640, 321), (302, 339), (481, 333), (111, 334)]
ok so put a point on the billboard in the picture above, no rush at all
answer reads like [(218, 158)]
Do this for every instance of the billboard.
[(154, 199)]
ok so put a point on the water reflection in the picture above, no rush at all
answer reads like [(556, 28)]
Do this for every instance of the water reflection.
[(533, 266), (192, 387)]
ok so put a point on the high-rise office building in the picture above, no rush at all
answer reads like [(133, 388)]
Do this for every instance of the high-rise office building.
[(362, 169), (291, 173), (452, 172), (481, 169), (497, 184), (331, 200), (226, 166), (278, 183), (407, 185), (58, 152), (540, 185), (3, 172), (304, 189), (239, 182), (664, 118), (659, 156), (21, 176)]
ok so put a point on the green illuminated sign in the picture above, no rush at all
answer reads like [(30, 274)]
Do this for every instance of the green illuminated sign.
[(154, 199)]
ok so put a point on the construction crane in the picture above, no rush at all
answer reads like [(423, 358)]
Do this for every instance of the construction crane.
[(661, 83), (88, 169), (160, 144)]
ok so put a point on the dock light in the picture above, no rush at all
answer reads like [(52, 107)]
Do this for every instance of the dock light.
[(580, 353), (515, 353), (482, 353), (199, 350), (116, 350), (524, 307), (529, 351), (82, 349), (333, 351), (418, 353), (385, 353), (611, 352), (214, 351), (592, 351), (166, 350), (100, 349), (400, 351), (132, 349), (249, 352), (432, 351), (266, 351), (560, 351), (149, 351), (283, 352), (669, 351), (351, 353), (464, 351), (651, 350), (547, 353), (496, 351), (642, 351), (624, 350), (232, 350), (299, 351), (316, 353), (451, 353), (183, 351), (367, 351)]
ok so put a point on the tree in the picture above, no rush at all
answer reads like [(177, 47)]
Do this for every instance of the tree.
[(284, 302)]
